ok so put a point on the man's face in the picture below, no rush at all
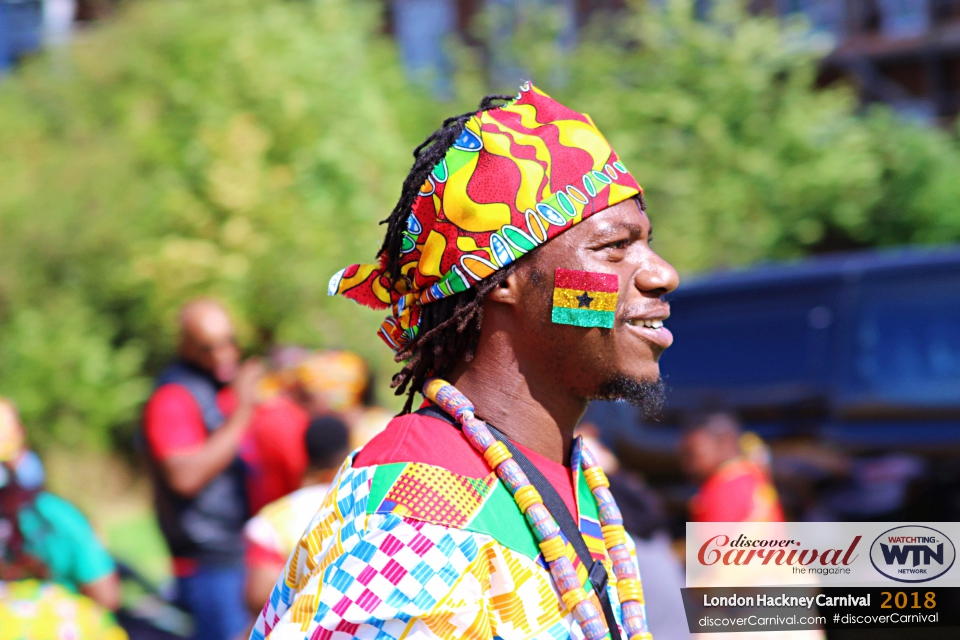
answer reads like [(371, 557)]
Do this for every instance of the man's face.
[(209, 342), (701, 454), (596, 362)]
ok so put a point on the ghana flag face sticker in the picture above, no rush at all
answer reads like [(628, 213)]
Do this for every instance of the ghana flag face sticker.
[(585, 298)]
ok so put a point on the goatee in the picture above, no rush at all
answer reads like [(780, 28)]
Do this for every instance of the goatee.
[(647, 396)]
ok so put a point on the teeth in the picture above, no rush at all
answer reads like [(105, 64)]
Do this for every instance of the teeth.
[(649, 324)]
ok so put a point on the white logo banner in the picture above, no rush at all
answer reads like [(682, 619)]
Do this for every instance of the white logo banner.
[(862, 554)]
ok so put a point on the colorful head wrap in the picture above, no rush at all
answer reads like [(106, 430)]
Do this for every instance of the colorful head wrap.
[(341, 377), (516, 177)]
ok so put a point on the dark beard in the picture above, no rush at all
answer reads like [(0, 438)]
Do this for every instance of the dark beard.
[(647, 396)]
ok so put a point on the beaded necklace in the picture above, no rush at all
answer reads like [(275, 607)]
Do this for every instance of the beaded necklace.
[(545, 528)]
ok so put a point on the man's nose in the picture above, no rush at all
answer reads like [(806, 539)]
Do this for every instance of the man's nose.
[(657, 276), (225, 353)]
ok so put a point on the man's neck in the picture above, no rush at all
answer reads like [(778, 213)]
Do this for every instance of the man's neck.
[(525, 406)]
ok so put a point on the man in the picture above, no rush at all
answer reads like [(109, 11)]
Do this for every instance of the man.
[(735, 488), (194, 424), (418, 537), (273, 533)]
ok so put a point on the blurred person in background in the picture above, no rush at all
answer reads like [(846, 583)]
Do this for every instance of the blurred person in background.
[(275, 453), (304, 385), (733, 470), (422, 28), (48, 554), (194, 425), (272, 534), (341, 382)]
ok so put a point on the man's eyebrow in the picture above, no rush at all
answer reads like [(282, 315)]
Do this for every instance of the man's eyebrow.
[(618, 227)]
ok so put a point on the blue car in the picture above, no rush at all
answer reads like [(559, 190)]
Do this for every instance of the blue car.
[(862, 350)]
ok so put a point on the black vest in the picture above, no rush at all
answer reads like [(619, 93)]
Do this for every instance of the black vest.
[(207, 527)]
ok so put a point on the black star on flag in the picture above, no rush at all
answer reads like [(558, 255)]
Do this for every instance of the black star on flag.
[(584, 300)]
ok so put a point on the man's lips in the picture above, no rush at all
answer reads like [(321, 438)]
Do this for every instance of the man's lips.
[(649, 326)]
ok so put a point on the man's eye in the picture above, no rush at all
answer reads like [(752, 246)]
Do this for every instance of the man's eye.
[(619, 244)]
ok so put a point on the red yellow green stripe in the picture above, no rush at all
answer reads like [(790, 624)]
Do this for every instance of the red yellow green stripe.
[(575, 299), (585, 298), (586, 281)]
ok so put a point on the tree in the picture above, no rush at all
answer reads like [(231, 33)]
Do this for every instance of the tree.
[(742, 157), (240, 148)]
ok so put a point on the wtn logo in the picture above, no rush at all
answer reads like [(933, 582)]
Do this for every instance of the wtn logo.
[(912, 554), (899, 554)]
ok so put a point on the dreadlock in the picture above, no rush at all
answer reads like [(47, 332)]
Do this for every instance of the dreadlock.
[(449, 327)]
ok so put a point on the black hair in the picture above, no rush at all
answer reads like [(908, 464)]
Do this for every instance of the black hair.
[(449, 327), (327, 439)]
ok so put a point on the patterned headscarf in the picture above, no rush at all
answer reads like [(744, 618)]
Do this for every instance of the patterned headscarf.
[(341, 377), (517, 176)]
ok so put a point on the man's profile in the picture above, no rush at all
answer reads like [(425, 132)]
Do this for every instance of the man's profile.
[(520, 283)]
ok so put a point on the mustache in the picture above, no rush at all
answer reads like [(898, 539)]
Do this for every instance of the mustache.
[(660, 310)]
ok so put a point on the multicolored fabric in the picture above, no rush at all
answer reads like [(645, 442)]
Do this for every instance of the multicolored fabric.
[(32, 610), (410, 550), (277, 528), (516, 177), (585, 298)]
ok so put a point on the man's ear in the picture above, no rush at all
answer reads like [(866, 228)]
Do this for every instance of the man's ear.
[(507, 292)]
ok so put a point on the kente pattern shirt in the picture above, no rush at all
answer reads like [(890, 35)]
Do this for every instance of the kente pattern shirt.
[(426, 543)]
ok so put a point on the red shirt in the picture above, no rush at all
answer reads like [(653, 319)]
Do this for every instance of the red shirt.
[(737, 492), (417, 438), (279, 451), (173, 424), (273, 447)]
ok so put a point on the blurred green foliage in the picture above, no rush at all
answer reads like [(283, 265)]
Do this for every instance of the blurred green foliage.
[(246, 148), (741, 158), (238, 148)]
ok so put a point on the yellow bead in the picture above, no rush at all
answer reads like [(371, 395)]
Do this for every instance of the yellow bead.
[(432, 387), (553, 548), (526, 497), (496, 454), (630, 590), (613, 535), (643, 635), (573, 597), (595, 477)]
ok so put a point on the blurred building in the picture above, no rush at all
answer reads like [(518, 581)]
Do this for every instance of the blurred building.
[(905, 53), (21, 27)]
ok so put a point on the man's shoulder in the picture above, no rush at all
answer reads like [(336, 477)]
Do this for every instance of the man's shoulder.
[(171, 393), (62, 516), (423, 439)]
